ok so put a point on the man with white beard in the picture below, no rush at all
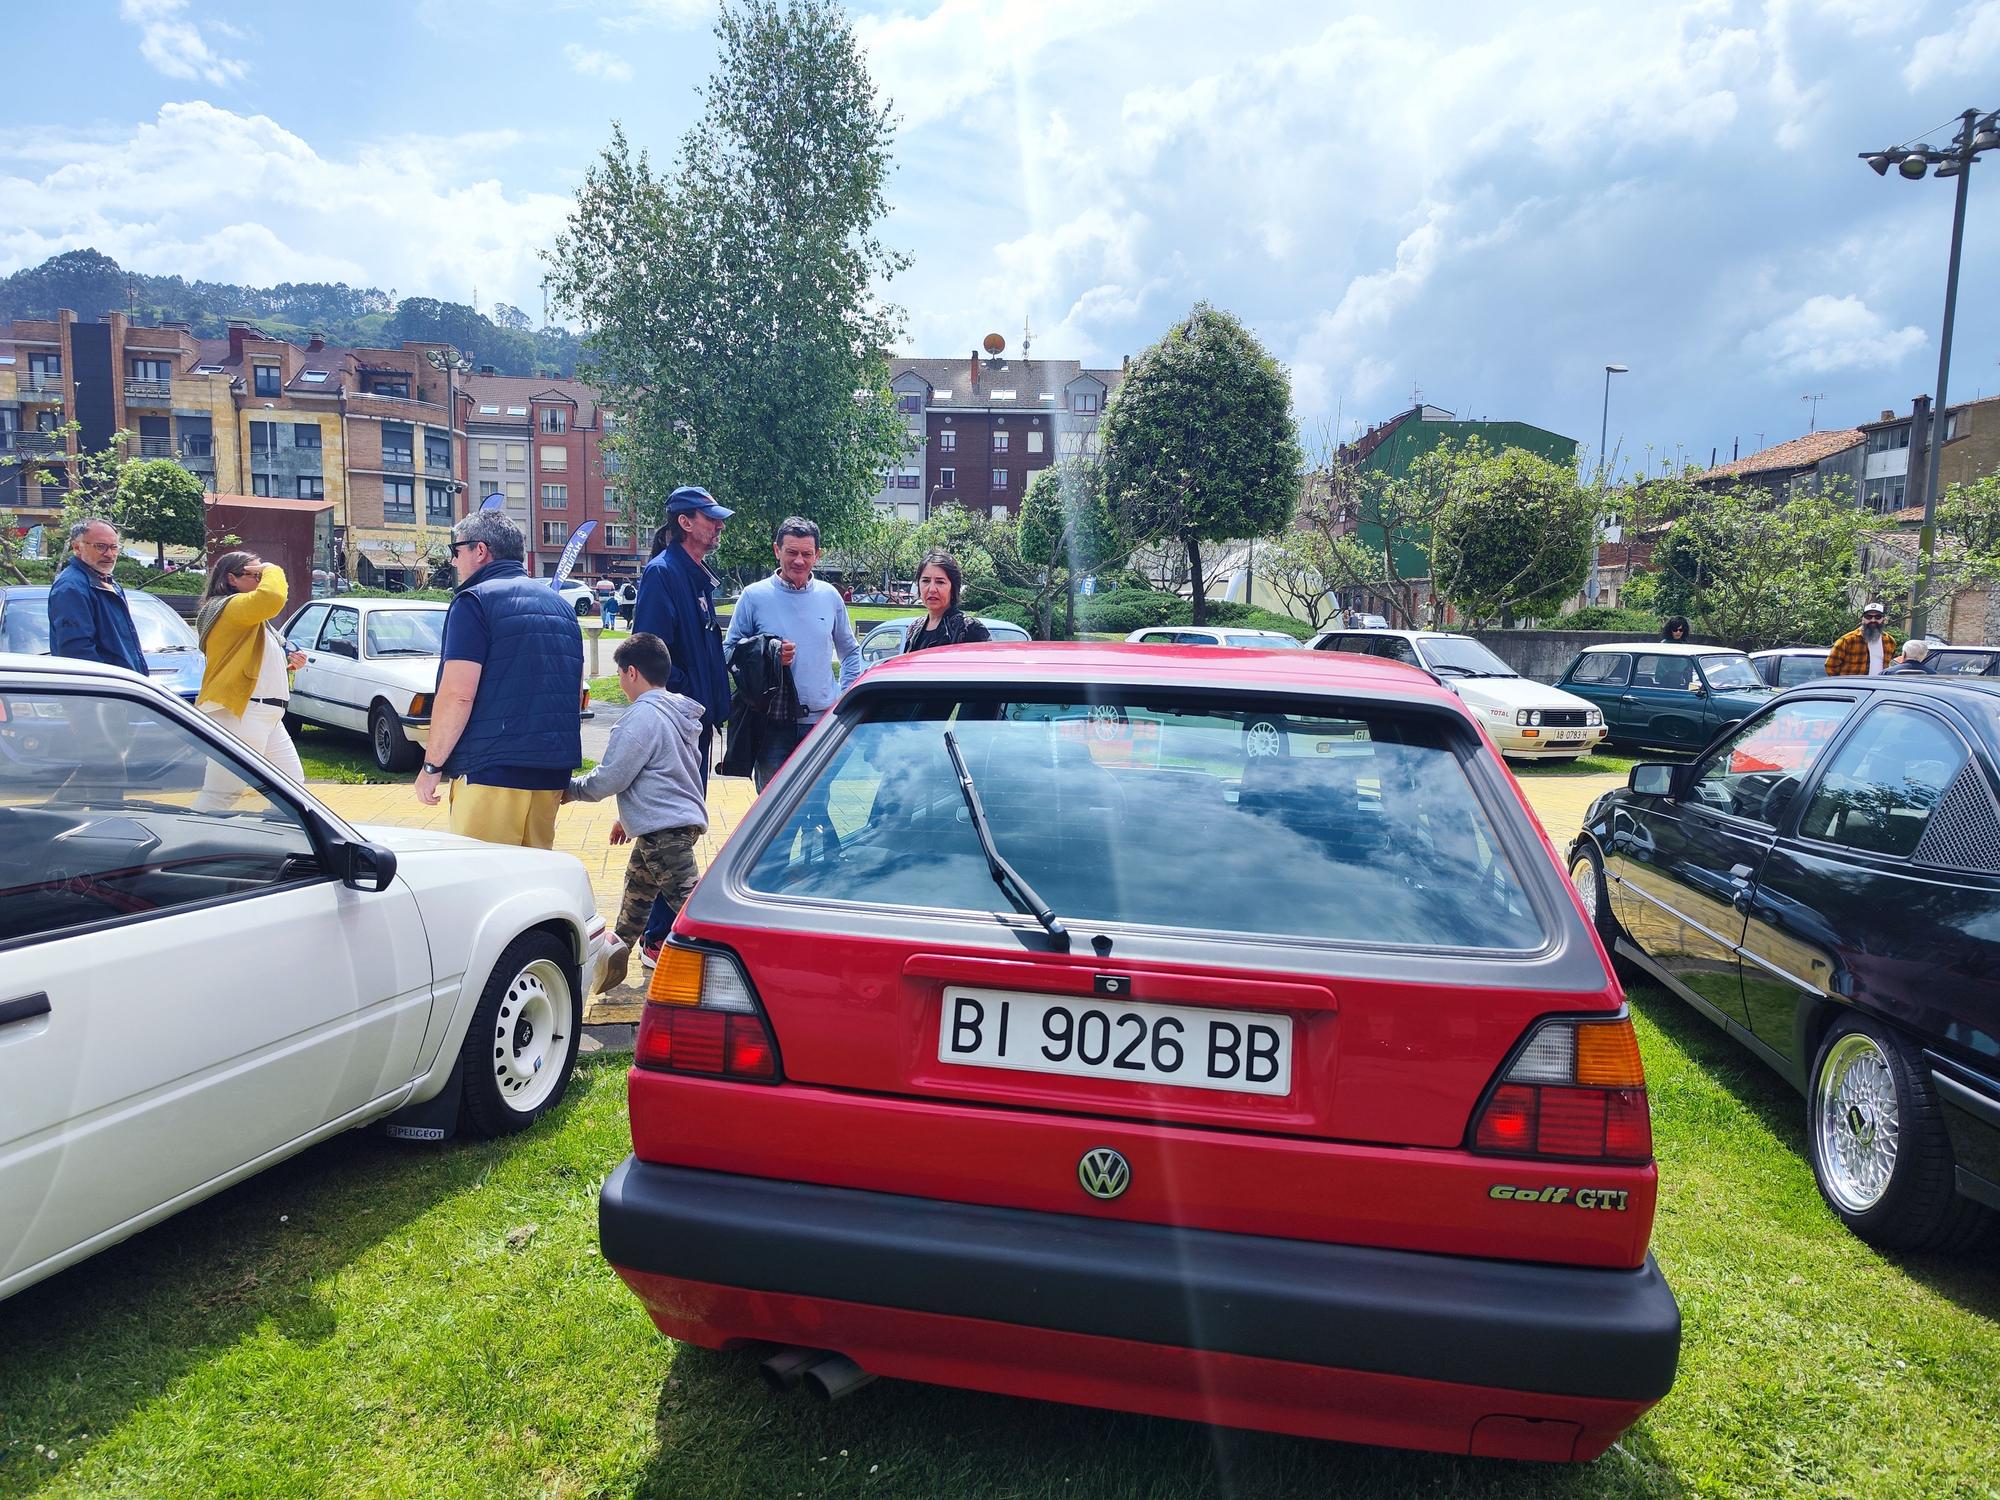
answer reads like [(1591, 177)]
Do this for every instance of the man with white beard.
[(1864, 652)]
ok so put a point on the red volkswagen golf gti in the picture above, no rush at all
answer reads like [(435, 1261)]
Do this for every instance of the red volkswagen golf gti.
[(1210, 1034)]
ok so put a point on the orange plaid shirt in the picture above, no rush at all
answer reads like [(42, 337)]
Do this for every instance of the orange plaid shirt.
[(1849, 656)]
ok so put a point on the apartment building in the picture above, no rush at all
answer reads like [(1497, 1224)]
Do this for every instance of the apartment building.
[(367, 429), (539, 443), (978, 429)]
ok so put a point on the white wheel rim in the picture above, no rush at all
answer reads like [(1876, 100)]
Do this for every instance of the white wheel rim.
[(1583, 875), (1857, 1124), (531, 1035), (1104, 722), (1263, 739)]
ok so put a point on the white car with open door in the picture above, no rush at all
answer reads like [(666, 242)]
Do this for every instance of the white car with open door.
[(203, 971)]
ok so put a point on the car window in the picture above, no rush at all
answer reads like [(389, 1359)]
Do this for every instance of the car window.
[(1343, 643), (1336, 827), (1673, 673), (1793, 670), (405, 632), (1604, 668), (881, 642), (305, 625), (1756, 773), (1962, 663), (1251, 641), (111, 810), (1000, 630), (342, 633), (1879, 790), (160, 630), (1729, 673)]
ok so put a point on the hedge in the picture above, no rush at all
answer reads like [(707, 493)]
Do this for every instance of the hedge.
[(1124, 610)]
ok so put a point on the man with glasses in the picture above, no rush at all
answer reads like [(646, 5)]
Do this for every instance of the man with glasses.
[(89, 619), (1864, 652), (504, 722)]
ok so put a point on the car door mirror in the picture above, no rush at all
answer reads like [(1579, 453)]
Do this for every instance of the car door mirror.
[(363, 866), (1655, 779)]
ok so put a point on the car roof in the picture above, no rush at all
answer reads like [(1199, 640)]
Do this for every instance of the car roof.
[(906, 621), (1796, 651), (1131, 664), (1408, 635), (1666, 648), (14, 662)]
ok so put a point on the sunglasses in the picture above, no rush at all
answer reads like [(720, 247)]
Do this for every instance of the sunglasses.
[(452, 550)]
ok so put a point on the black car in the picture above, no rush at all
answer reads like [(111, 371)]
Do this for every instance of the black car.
[(1823, 882)]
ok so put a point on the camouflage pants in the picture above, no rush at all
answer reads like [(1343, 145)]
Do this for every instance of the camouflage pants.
[(662, 864)]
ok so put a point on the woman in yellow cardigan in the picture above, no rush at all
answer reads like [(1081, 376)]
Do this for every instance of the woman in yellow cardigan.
[(244, 684)]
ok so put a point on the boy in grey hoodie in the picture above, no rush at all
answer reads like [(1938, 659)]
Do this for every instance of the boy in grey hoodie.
[(652, 765)]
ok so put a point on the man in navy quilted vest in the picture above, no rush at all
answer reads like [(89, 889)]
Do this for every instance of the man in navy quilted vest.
[(504, 724)]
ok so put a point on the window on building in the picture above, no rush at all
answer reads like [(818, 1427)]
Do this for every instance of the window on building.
[(48, 365), (947, 479), (263, 437), (1001, 442), (152, 369), (399, 500), (396, 450), (1084, 403), (1034, 442), (1951, 422), (552, 533), (948, 441), (437, 453), (555, 419), (260, 484), (437, 502), (618, 538), (305, 434), (269, 380), (312, 487), (512, 411), (614, 503), (555, 457), (384, 387), (999, 512), (613, 463), (517, 455), (489, 455), (1889, 439), (999, 479), (555, 497), (1885, 494), (313, 377), (910, 404), (517, 496)]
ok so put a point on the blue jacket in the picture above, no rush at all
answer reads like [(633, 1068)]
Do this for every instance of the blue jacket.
[(89, 623), (525, 712), (677, 604)]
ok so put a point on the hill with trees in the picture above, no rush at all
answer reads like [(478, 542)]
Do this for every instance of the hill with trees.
[(93, 283)]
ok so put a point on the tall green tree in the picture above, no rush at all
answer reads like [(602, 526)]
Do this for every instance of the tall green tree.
[(160, 502), (731, 300), (1200, 445), (1068, 531), (1513, 537)]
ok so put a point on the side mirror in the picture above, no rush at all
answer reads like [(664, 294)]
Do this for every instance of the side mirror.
[(364, 867), (1653, 779)]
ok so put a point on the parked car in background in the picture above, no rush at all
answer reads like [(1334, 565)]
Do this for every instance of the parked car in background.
[(1289, 1092), (1788, 666), (192, 995), (1361, 620), (886, 640), (173, 655), (580, 597), (1527, 719), (1964, 661), (1215, 635), (1824, 885), (371, 667), (1666, 694)]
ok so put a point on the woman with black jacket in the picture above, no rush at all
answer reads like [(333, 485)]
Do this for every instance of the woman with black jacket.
[(944, 623)]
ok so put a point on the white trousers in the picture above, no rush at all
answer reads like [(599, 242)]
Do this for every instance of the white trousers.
[(260, 726)]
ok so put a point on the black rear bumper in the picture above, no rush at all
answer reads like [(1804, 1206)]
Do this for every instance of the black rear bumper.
[(1559, 1330)]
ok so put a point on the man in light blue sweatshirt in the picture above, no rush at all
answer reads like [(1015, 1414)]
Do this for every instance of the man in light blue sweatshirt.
[(653, 766), (809, 616)]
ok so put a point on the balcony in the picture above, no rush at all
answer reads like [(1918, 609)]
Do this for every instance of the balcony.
[(32, 444), (149, 392), (41, 385), (156, 447), (398, 463)]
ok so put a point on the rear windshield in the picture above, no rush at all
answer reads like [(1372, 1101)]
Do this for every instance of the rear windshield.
[(1296, 820)]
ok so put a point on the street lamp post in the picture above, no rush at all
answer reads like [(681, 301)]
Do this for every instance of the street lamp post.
[(1975, 135), (1597, 521)]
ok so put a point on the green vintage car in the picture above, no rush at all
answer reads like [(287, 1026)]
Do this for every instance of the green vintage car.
[(1665, 694)]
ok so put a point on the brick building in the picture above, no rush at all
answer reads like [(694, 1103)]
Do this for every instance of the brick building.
[(979, 428)]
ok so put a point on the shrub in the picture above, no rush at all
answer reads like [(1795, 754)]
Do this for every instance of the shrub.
[(1124, 610), (1637, 622), (439, 596)]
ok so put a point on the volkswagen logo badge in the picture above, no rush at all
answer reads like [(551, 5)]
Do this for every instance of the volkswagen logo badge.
[(1104, 1173)]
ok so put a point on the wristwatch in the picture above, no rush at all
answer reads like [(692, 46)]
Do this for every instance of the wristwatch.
[(431, 770)]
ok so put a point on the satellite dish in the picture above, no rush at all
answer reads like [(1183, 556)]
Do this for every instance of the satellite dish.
[(995, 343)]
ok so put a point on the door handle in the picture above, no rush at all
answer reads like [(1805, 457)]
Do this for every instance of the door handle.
[(1628, 698), (1741, 872), (23, 1008)]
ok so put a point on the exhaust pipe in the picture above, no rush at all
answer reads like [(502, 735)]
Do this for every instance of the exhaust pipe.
[(834, 1377), (782, 1370)]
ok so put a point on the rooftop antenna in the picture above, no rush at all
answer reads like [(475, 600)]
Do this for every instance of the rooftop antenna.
[(1416, 394), (1025, 335), (1813, 425)]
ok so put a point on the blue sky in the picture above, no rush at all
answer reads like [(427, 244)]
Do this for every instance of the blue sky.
[(1485, 203)]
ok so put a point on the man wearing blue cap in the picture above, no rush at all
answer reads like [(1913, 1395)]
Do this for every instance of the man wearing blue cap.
[(677, 603)]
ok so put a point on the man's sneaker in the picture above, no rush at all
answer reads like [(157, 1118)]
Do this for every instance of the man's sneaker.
[(649, 953)]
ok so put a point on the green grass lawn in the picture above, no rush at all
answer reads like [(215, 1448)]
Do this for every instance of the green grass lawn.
[(1598, 763), (335, 755), (391, 1320)]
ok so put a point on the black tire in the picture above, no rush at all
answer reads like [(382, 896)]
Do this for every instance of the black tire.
[(393, 750), (1586, 873), (1879, 1151), (528, 1020)]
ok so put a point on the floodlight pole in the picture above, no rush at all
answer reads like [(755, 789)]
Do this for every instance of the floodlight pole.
[(1597, 517), (1940, 414)]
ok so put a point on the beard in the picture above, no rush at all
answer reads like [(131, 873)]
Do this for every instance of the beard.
[(1871, 631)]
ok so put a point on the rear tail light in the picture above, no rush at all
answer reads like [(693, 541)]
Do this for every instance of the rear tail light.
[(702, 1017), (1576, 1091)]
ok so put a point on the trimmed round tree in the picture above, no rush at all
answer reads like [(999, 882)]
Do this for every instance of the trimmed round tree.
[(1200, 445)]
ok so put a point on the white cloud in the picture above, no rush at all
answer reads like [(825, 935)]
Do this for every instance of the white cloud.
[(594, 64), (1825, 333), (1969, 48), (176, 47), (200, 190)]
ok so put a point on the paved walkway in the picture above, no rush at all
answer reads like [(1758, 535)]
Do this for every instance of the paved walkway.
[(584, 830)]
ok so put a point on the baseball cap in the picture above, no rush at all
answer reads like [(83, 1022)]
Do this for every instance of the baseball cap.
[(693, 497), (1873, 607)]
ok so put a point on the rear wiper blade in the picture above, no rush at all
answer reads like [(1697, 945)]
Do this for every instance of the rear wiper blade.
[(1004, 875)]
